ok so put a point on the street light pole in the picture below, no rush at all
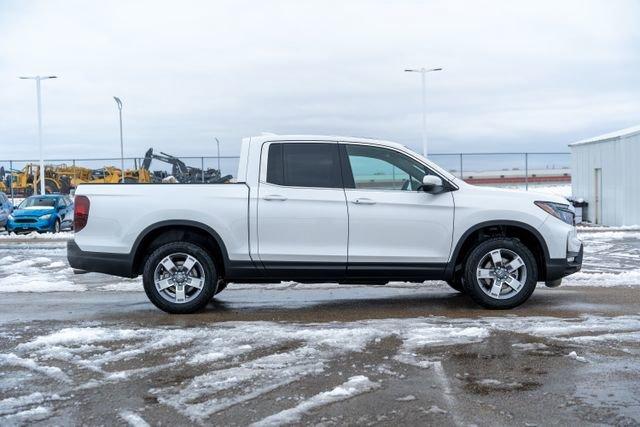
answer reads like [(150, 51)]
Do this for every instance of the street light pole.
[(39, 97), (119, 104), (218, 144), (423, 72)]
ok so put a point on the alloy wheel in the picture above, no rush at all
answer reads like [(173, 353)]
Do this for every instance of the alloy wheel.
[(501, 273), (179, 278)]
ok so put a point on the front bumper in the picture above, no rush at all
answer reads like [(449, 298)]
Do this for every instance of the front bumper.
[(561, 267), (99, 262), (41, 225)]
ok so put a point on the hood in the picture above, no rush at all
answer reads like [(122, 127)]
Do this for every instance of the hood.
[(523, 195), (33, 211)]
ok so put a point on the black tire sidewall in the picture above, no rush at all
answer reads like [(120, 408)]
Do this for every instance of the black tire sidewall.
[(190, 249), (473, 288)]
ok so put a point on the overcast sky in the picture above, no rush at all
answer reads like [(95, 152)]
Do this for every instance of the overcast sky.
[(518, 76)]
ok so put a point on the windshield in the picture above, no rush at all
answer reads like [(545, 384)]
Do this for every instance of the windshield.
[(38, 202)]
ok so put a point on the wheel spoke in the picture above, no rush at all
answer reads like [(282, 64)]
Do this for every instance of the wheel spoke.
[(513, 283), (496, 257), (484, 273), (168, 264), (188, 264), (196, 282), (515, 264), (180, 297), (496, 288), (163, 284)]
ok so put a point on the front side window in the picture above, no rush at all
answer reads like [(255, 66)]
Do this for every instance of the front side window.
[(383, 169), (304, 165)]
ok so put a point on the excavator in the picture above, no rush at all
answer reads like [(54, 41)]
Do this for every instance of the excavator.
[(181, 172)]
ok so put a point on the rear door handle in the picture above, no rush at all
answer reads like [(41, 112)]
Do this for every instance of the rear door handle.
[(364, 201), (275, 198)]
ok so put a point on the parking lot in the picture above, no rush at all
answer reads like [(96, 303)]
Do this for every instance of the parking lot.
[(90, 349)]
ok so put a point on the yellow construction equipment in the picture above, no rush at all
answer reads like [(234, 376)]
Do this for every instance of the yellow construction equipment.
[(63, 178)]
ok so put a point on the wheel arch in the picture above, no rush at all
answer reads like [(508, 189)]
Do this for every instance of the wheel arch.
[(172, 230), (507, 228)]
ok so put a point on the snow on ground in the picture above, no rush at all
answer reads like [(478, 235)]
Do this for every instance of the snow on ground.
[(231, 363), (356, 385), (133, 419)]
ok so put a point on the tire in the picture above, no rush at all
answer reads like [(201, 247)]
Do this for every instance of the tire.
[(51, 186), (457, 284), (56, 226), (483, 270), (201, 271)]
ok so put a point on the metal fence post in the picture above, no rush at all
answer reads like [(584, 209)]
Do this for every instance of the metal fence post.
[(526, 171), (461, 174), (202, 163), (11, 180)]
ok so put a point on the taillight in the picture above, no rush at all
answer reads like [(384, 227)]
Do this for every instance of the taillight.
[(80, 212)]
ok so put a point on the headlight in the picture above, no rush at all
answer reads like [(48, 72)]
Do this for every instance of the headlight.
[(47, 216), (11, 217), (563, 212)]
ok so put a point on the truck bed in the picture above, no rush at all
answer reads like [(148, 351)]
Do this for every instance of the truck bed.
[(119, 213)]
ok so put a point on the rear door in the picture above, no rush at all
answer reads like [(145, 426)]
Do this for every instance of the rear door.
[(302, 212), (394, 227)]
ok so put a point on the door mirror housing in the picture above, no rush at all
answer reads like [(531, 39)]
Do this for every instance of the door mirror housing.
[(432, 184)]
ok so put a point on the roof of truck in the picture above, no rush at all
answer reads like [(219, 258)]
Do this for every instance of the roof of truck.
[(310, 138)]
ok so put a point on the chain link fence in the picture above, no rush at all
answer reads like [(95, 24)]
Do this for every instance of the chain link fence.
[(18, 178)]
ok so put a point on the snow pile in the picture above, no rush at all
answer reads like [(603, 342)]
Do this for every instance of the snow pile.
[(133, 419), (573, 355), (581, 278), (38, 274), (64, 235), (355, 386), (563, 190), (26, 408)]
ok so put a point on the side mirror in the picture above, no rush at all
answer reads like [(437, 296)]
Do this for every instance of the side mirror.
[(432, 184)]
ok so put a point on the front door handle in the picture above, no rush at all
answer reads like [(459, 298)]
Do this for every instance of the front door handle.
[(275, 198), (364, 201)]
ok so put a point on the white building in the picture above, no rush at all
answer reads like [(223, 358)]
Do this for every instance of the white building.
[(606, 173)]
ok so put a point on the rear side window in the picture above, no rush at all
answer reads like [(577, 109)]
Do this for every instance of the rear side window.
[(275, 167), (304, 165)]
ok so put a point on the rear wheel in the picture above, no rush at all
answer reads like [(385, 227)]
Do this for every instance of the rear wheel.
[(500, 273), (180, 278)]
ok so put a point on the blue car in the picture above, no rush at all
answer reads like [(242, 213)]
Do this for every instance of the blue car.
[(49, 213), (6, 207)]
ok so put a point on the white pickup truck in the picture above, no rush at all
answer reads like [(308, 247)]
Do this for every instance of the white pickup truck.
[(325, 209)]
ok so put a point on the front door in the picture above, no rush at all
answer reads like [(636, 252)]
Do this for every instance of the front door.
[(394, 226), (302, 212)]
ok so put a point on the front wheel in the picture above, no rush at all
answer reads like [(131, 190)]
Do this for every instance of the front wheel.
[(500, 273), (56, 226), (179, 278)]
